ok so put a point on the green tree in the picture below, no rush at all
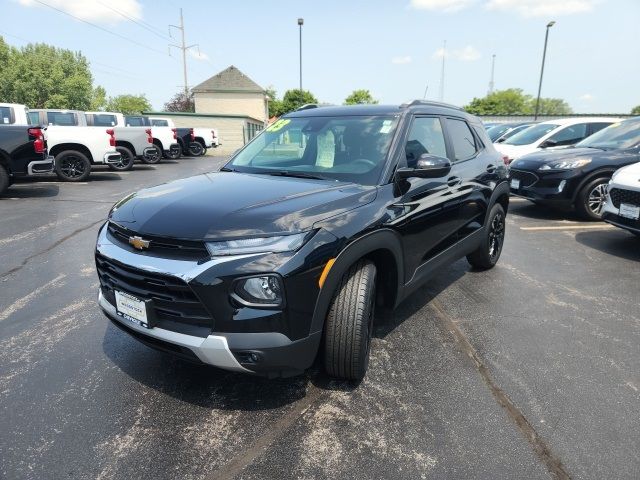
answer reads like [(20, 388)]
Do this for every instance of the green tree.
[(42, 76), (294, 99), (635, 110), (98, 99), (180, 102), (275, 105), (513, 101), (360, 97), (128, 104)]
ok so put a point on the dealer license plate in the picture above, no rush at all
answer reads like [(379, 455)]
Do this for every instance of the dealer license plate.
[(131, 308), (515, 183), (629, 211)]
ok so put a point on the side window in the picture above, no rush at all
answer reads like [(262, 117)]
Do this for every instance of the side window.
[(426, 136), (6, 115), (34, 118), (462, 139), (103, 120), (134, 122), (570, 135), (596, 127), (60, 118)]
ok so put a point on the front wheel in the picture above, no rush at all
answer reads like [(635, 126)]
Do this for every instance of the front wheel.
[(591, 199), (195, 149), (126, 160), (349, 325), (72, 166), (488, 253)]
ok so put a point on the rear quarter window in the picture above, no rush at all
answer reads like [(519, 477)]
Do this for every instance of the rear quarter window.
[(103, 120), (159, 123), (62, 118)]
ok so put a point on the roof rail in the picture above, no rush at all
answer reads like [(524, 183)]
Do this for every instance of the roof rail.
[(307, 106), (429, 103)]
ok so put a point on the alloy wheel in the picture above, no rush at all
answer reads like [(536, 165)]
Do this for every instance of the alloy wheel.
[(597, 198), (496, 236), (72, 167)]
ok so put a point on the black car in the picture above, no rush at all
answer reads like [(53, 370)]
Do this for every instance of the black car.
[(328, 213), (577, 177)]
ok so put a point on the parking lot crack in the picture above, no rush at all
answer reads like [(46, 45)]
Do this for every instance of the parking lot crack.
[(542, 450)]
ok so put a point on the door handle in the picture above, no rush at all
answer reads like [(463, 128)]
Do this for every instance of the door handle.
[(453, 181), (491, 168)]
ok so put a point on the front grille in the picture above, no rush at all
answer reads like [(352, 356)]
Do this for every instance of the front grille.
[(175, 305), (619, 196), (526, 178), (167, 247)]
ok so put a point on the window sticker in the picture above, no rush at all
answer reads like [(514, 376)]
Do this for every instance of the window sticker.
[(5, 119), (326, 149), (386, 126), (279, 125)]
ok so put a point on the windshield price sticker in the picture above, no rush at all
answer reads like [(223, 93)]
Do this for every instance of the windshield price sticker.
[(279, 125)]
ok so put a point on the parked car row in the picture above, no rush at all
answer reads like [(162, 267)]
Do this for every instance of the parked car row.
[(598, 177), (74, 141)]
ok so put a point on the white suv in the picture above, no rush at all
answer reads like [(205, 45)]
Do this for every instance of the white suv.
[(551, 134), (622, 207)]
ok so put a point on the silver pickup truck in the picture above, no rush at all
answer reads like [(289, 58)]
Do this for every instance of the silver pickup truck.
[(131, 143)]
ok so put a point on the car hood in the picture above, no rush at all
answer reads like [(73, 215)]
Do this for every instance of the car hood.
[(535, 160), (629, 175), (232, 205)]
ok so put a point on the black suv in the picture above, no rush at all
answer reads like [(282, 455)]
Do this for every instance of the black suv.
[(290, 247)]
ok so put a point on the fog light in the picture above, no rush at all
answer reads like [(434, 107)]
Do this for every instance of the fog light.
[(563, 183), (265, 290)]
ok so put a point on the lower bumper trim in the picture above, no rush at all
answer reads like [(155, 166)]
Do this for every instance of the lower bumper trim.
[(40, 167), (212, 350)]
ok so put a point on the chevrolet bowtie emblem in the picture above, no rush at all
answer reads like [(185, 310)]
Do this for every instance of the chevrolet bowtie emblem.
[(139, 243)]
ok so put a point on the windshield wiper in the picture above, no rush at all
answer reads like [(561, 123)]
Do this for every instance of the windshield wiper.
[(227, 169), (289, 173)]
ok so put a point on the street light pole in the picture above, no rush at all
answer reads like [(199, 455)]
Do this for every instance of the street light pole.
[(300, 23), (544, 56)]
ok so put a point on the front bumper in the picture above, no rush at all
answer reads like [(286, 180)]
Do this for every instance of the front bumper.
[(111, 157), (40, 167), (269, 342), (555, 188), (612, 215)]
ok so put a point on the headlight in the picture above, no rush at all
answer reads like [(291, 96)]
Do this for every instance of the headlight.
[(566, 164), (282, 243), (261, 291)]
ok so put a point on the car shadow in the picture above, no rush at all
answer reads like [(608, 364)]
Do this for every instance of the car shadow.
[(618, 243), (213, 388), (31, 190), (542, 212)]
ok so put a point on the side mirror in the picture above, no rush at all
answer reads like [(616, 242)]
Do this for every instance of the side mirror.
[(427, 166), (548, 143)]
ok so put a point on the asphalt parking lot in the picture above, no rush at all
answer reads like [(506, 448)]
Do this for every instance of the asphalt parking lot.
[(530, 370)]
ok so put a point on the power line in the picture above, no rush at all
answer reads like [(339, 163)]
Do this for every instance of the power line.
[(101, 28), (136, 21)]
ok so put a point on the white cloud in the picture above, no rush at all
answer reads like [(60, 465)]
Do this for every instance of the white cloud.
[(466, 54), (94, 10), (402, 60), (198, 55), (587, 97), (447, 6), (542, 8)]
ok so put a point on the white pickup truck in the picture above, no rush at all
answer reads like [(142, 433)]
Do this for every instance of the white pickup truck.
[(207, 137), (75, 149), (165, 138)]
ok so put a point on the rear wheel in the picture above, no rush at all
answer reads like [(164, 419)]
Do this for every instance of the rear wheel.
[(153, 157), (591, 199), (175, 154), (4, 180), (349, 325), (126, 160), (195, 149), (488, 253), (204, 151), (72, 166)]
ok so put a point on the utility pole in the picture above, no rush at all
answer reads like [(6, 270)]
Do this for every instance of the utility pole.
[(444, 54), (493, 66), (544, 57), (300, 23), (184, 49)]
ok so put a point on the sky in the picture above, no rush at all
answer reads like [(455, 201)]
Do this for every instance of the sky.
[(393, 48)]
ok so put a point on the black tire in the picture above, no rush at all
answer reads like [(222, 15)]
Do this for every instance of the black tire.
[(591, 199), (72, 166), (488, 253), (4, 180), (154, 159), (127, 160), (195, 149), (175, 155), (204, 151), (349, 325)]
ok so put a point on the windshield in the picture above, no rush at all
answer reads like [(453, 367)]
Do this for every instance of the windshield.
[(619, 135), (531, 134), (345, 148), (497, 131)]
